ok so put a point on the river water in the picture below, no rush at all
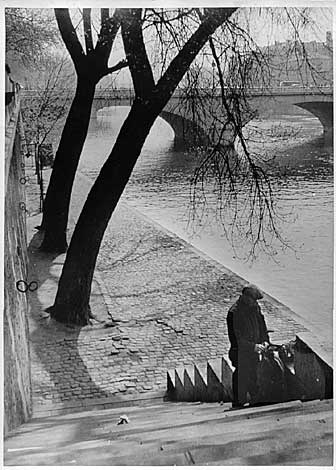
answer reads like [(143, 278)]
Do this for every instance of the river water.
[(301, 276)]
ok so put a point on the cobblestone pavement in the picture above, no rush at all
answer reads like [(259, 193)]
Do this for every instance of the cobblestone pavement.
[(168, 303)]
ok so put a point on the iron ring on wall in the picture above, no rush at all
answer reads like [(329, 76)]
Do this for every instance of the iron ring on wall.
[(19, 285), (32, 286)]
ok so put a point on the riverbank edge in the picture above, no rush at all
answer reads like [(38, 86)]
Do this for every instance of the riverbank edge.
[(221, 267), (315, 341)]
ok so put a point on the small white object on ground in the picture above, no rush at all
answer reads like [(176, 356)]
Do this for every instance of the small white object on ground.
[(123, 419)]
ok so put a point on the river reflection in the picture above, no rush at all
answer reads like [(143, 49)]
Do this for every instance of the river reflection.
[(160, 188)]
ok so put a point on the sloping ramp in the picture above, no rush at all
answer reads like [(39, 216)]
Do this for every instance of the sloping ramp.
[(292, 433)]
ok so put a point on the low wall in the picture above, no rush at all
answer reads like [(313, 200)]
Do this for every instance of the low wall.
[(313, 369), (17, 378), (212, 381)]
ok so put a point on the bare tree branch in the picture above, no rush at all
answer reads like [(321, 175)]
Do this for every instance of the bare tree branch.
[(104, 15), (213, 18), (69, 36), (120, 65), (136, 54), (108, 31), (87, 29)]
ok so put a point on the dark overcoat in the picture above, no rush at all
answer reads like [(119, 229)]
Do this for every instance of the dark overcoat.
[(246, 328)]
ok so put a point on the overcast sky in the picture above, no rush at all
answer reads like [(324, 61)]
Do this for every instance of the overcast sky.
[(266, 31), (262, 27)]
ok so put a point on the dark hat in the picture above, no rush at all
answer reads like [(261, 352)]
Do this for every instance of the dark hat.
[(252, 291)]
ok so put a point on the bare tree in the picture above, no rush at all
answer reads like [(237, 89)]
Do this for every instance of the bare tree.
[(47, 103), (241, 182), (29, 34), (43, 110), (90, 67), (72, 299), (241, 179)]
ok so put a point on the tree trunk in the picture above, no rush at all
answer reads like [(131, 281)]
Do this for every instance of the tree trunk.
[(74, 288), (56, 204)]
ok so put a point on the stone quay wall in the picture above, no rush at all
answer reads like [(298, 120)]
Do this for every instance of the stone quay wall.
[(16, 369)]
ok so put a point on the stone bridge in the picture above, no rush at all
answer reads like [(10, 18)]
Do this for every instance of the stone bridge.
[(189, 125), (196, 127)]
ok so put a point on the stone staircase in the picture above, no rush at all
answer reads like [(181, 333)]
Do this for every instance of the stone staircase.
[(211, 381), (176, 433), (207, 382), (187, 429)]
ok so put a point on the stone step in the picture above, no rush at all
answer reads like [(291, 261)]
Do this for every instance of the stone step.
[(211, 381), (175, 433), (207, 382)]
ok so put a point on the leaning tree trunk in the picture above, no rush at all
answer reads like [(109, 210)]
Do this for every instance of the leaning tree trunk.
[(74, 288), (56, 204)]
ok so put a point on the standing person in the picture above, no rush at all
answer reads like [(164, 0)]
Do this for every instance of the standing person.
[(248, 337)]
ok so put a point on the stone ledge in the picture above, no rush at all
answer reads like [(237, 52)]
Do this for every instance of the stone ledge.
[(321, 348), (98, 403)]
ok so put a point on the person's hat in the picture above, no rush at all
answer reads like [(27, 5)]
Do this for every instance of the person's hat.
[(252, 291)]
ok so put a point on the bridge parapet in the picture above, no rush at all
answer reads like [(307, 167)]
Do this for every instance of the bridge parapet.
[(178, 111), (128, 93)]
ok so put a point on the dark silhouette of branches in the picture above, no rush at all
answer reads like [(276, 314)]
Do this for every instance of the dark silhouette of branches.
[(237, 178)]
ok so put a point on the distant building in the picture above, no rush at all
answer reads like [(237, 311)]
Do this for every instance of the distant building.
[(292, 63)]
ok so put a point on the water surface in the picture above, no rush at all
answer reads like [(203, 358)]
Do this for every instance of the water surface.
[(300, 276)]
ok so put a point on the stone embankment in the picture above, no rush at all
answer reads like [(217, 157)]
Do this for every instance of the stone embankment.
[(159, 304), (16, 370)]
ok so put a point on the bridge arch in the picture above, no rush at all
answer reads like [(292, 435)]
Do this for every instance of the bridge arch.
[(317, 103), (187, 133), (324, 112)]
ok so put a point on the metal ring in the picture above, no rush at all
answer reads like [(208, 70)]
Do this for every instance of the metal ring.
[(22, 206), (32, 286), (18, 286), (24, 179), (23, 165)]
